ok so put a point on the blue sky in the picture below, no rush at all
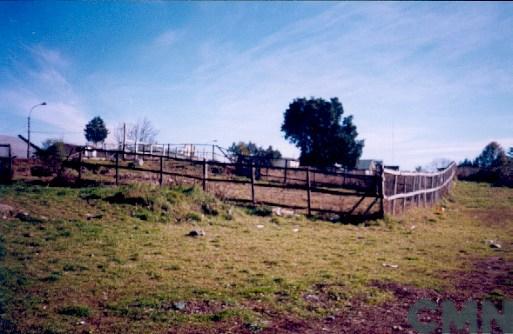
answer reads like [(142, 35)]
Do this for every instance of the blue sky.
[(423, 80)]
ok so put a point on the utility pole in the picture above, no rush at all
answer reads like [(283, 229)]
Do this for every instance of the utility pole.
[(28, 127)]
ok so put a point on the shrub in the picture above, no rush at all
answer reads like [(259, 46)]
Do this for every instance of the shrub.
[(262, 210), (75, 310), (194, 216), (210, 209), (40, 171), (63, 179), (53, 154), (2, 247)]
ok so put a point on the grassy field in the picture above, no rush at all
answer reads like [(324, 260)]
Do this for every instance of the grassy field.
[(118, 260)]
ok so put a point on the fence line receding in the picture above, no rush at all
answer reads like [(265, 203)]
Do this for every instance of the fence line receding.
[(350, 194)]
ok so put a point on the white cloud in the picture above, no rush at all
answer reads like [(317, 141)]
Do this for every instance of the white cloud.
[(389, 63), (45, 80), (48, 57), (165, 39), (401, 68)]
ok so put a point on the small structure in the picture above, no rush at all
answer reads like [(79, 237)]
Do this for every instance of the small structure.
[(18, 145), (5, 163), (368, 166), (392, 167), (285, 162)]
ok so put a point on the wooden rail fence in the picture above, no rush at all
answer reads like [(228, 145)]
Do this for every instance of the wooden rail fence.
[(349, 194)]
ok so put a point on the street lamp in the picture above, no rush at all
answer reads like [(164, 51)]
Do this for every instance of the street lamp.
[(28, 127), (213, 149)]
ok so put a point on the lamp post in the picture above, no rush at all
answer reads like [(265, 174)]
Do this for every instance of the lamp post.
[(28, 127), (213, 149)]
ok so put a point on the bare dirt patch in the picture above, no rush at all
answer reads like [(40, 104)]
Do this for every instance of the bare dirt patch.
[(490, 279)]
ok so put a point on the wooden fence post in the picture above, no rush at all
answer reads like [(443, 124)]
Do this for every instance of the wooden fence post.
[(308, 191), (80, 166), (117, 168), (416, 186), (405, 178), (395, 192), (124, 140), (168, 150), (205, 174), (432, 194), (253, 200), (381, 190), (161, 170), (424, 187), (437, 183), (9, 166), (285, 172)]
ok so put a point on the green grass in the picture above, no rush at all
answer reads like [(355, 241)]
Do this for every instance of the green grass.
[(121, 254)]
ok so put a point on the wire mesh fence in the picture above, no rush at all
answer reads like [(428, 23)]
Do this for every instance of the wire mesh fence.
[(404, 190)]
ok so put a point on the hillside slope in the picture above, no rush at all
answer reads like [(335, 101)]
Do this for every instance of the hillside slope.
[(119, 260)]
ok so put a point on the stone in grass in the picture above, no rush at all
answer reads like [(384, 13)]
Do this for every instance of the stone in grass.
[(312, 298), (282, 212), (26, 217), (6, 211), (90, 216), (179, 305), (494, 244), (196, 233)]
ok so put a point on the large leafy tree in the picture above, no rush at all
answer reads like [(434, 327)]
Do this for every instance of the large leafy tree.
[(325, 138), (493, 155), (95, 131)]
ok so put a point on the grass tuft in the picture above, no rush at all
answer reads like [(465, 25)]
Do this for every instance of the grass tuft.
[(75, 311)]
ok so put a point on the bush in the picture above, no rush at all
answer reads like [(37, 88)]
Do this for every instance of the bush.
[(210, 209), (63, 179), (263, 211), (75, 310), (499, 176), (2, 248), (194, 216), (53, 154), (40, 171)]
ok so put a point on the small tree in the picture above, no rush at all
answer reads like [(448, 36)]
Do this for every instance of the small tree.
[(52, 154), (142, 131), (493, 155), (247, 153), (438, 164), (466, 163), (250, 152), (317, 128), (95, 131)]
